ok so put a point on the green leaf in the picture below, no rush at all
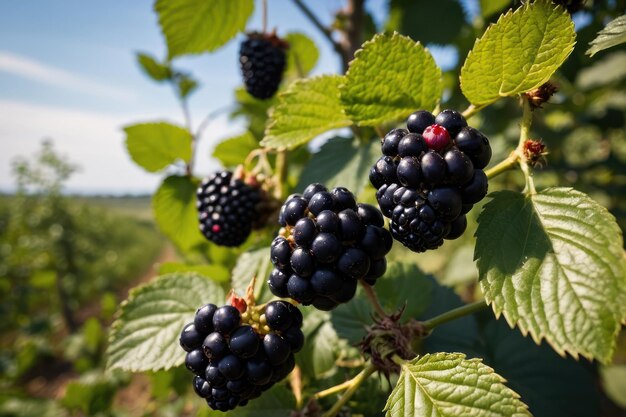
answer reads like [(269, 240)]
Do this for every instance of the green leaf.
[(448, 385), (302, 55), (192, 27), (153, 68), (145, 335), (174, 205), (490, 7), (185, 85), (318, 356), (154, 146), (305, 110), (403, 286), (250, 264), (92, 393), (341, 162), (390, 78), (407, 17), (613, 34), (614, 382), (215, 272), (233, 151), (277, 402), (519, 53), (565, 388), (553, 264)]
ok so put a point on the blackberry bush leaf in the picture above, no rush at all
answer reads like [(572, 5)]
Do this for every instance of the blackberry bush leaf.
[(154, 146), (318, 357), (302, 55), (518, 53), (190, 27), (553, 264), (153, 68), (305, 110), (388, 79), (340, 162), (145, 335), (567, 387), (233, 151), (174, 205), (447, 385), (613, 34)]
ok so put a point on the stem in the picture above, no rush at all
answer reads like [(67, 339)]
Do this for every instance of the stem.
[(333, 390), (264, 16), (472, 110), (505, 165), (454, 314), (280, 174), (371, 295), (295, 380), (209, 118), (355, 383)]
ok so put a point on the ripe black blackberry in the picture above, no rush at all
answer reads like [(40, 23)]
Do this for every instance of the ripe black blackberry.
[(235, 355), (328, 242), (262, 58), (229, 207), (429, 176)]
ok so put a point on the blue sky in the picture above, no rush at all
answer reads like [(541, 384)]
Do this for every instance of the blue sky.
[(68, 72)]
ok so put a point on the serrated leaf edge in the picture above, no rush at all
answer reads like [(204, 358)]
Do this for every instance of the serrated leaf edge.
[(520, 9), (541, 336)]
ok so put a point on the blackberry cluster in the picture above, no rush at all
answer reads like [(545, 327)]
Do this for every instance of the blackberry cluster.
[(429, 176), (328, 242), (236, 357), (262, 58), (228, 208)]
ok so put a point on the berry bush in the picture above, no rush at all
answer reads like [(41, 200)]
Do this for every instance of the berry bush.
[(416, 243)]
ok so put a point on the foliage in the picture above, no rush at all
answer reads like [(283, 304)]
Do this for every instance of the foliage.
[(549, 255)]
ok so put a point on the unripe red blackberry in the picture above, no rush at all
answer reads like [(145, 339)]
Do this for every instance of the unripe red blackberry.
[(429, 178), (328, 242), (263, 59)]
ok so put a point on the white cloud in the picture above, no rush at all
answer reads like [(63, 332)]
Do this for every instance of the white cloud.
[(93, 140), (31, 69)]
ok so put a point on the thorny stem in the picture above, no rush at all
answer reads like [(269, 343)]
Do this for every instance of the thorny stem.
[(454, 314), (353, 385), (373, 298)]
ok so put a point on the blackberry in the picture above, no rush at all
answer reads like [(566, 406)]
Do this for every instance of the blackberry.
[(328, 242), (263, 59), (236, 356), (230, 208), (427, 179)]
